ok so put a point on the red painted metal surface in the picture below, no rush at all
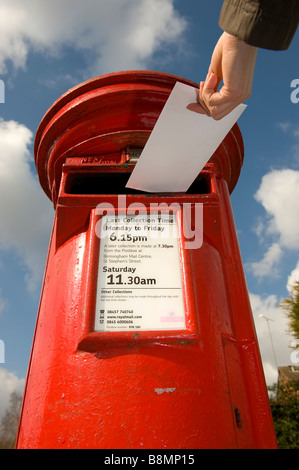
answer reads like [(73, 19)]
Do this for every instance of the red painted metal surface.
[(201, 387)]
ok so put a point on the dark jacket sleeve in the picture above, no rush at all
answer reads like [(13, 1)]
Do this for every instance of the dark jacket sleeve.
[(269, 24)]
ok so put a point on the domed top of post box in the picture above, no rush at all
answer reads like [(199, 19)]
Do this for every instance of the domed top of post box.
[(109, 113)]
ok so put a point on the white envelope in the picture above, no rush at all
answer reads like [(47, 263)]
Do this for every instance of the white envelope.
[(180, 145)]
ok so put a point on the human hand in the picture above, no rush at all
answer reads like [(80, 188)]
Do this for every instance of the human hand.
[(233, 61)]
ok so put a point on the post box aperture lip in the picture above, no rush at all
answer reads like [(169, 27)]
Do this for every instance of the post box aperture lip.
[(95, 341)]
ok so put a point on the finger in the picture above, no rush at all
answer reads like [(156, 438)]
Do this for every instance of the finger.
[(224, 101), (220, 107)]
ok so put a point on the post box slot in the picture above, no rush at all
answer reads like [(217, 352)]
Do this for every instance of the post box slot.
[(115, 183)]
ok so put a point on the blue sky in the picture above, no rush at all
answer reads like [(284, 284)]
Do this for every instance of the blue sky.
[(47, 48)]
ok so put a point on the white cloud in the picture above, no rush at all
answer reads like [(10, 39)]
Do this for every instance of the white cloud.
[(279, 195), (25, 213), (267, 265), (264, 308), (293, 277), (9, 383), (279, 227), (122, 34)]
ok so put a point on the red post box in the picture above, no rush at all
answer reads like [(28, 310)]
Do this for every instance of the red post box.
[(142, 341)]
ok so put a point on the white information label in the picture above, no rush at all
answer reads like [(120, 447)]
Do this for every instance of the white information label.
[(139, 275)]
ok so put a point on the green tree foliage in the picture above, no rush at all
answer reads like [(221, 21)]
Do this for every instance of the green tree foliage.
[(10, 421), (290, 306), (285, 413)]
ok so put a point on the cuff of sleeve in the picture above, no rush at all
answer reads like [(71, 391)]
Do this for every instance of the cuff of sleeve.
[(268, 28)]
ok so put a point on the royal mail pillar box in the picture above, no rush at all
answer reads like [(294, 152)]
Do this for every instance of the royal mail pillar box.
[(142, 340)]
